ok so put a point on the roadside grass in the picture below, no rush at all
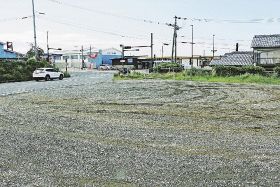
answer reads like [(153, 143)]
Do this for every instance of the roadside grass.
[(242, 79)]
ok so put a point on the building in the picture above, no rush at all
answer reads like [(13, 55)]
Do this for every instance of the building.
[(238, 58), (266, 49), (77, 59), (92, 58), (109, 54), (8, 54)]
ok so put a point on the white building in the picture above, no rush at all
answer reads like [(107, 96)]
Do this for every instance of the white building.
[(266, 49), (74, 58)]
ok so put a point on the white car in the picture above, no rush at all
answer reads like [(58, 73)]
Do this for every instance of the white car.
[(105, 67), (47, 74)]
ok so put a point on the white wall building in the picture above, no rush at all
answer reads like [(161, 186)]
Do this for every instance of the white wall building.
[(266, 49)]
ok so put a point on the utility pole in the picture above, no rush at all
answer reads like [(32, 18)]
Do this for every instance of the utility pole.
[(175, 39), (162, 52), (152, 49), (90, 50), (48, 48), (174, 46), (192, 47), (35, 35), (214, 46), (122, 46), (82, 57)]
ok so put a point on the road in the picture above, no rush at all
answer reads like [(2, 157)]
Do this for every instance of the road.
[(90, 130), (78, 78)]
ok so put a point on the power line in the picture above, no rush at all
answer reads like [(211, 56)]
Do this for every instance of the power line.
[(86, 27), (91, 10), (14, 19), (233, 21)]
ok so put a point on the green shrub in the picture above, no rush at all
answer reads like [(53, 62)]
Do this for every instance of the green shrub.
[(19, 70), (255, 70), (67, 74), (168, 67), (198, 72), (277, 71), (8, 77), (226, 71)]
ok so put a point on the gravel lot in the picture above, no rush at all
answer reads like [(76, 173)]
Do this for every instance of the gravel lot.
[(92, 131)]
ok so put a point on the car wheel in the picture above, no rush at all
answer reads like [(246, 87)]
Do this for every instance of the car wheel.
[(60, 77), (47, 78), (37, 80)]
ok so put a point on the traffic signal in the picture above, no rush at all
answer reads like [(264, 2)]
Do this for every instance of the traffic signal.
[(127, 47), (10, 46)]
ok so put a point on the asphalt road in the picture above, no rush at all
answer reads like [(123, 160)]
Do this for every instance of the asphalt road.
[(77, 79), (92, 131)]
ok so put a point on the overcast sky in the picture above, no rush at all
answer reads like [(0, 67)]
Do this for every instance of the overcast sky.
[(109, 23)]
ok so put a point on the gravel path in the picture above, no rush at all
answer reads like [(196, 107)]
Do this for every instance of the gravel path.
[(91, 131)]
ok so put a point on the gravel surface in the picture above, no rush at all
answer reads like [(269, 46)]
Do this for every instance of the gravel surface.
[(92, 131)]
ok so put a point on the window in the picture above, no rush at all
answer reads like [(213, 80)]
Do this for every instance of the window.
[(57, 57), (74, 57), (65, 57)]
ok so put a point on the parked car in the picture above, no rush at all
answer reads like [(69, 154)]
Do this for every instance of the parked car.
[(47, 74), (105, 67)]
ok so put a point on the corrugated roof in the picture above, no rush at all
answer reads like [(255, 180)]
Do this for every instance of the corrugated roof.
[(234, 59), (266, 41)]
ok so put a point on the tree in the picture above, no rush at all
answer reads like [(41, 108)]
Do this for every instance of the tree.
[(31, 52)]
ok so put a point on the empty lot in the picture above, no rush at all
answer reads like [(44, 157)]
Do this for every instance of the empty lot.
[(92, 131)]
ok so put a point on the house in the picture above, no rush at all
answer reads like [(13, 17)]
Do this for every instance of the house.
[(238, 58), (7, 54), (266, 49)]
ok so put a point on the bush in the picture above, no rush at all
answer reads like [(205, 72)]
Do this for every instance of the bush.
[(67, 74), (19, 70), (168, 67), (255, 70), (198, 72), (226, 71), (277, 71)]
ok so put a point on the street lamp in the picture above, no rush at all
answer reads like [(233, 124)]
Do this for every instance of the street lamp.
[(192, 43), (162, 52), (34, 27)]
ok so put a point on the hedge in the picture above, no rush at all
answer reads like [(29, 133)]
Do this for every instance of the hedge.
[(168, 67), (198, 72), (11, 71), (226, 71), (277, 71)]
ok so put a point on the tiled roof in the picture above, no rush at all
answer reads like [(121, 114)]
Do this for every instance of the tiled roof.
[(234, 59), (266, 41)]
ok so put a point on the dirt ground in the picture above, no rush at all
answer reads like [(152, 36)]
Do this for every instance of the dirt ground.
[(141, 133)]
